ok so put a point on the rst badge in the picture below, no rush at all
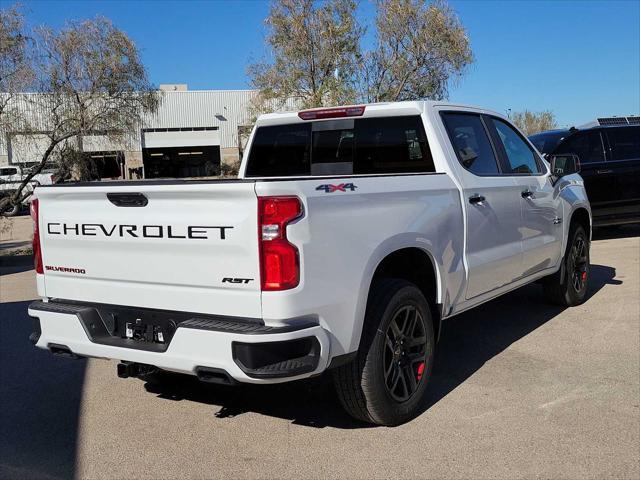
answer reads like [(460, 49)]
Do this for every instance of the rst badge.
[(342, 187)]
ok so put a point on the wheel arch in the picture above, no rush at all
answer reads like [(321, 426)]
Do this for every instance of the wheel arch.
[(581, 216), (413, 263)]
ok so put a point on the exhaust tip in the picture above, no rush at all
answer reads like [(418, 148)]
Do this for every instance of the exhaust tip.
[(61, 350), (214, 375)]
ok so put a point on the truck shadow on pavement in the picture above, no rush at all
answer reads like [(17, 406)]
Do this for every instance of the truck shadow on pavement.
[(15, 264), (467, 342), (40, 402)]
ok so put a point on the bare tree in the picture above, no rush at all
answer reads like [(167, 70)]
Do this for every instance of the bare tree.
[(314, 53), (89, 80), (421, 46), (534, 122), (16, 69)]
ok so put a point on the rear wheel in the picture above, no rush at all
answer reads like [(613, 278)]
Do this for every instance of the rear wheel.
[(11, 211), (387, 381), (568, 287)]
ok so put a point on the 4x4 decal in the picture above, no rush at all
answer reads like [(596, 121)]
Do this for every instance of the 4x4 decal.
[(343, 187)]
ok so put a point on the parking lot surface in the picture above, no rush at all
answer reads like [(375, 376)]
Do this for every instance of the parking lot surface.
[(520, 389)]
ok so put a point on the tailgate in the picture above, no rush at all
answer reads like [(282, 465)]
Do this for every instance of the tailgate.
[(193, 247)]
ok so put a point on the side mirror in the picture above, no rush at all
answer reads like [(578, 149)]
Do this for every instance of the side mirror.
[(564, 164)]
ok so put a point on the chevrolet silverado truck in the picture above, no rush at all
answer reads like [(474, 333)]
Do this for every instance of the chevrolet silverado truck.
[(350, 235)]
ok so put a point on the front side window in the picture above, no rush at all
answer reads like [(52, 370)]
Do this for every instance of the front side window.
[(624, 143), (341, 147), (586, 145), (471, 143), (521, 158)]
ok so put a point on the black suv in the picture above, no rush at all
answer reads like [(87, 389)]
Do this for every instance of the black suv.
[(609, 153)]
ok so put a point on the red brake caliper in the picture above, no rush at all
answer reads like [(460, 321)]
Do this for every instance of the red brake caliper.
[(420, 370)]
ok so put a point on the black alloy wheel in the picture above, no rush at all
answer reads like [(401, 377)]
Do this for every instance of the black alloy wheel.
[(387, 381), (580, 263), (405, 353), (568, 286)]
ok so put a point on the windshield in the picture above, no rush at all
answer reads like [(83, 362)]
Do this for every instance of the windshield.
[(547, 142), (341, 147)]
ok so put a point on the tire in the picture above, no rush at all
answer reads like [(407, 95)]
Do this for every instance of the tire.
[(11, 211), (568, 286), (377, 386)]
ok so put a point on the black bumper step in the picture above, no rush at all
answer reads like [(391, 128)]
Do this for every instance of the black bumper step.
[(286, 358), (107, 324), (240, 326)]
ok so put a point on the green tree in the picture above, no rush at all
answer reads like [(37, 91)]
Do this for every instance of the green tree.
[(313, 54), (315, 57), (534, 122), (421, 47)]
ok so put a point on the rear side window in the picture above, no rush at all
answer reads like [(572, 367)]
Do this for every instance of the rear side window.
[(471, 143), (341, 147), (8, 171), (521, 158), (624, 143), (586, 145)]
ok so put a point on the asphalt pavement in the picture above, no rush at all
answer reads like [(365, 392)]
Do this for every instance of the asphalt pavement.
[(520, 389)]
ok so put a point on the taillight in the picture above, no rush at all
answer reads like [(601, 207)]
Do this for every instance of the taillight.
[(279, 262), (37, 251), (338, 112)]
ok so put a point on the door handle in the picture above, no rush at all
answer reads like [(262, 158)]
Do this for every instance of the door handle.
[(476, 199), (602, 172), (527, 193)]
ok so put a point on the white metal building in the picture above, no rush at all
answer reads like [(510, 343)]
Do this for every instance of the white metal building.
[(191, 135)]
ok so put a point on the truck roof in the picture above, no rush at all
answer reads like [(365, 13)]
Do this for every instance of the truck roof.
[(414, 107)]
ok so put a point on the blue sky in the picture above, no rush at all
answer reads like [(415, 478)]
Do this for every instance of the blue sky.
[(579, 58)]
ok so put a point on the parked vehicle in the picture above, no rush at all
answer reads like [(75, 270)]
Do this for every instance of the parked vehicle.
[(609, 153), (351, 234), (10, 179), (15, 174)]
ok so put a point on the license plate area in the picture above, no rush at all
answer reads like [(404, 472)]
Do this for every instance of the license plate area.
[(130, 327)]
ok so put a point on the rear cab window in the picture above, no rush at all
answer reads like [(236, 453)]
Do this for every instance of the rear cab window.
[(346, 146)]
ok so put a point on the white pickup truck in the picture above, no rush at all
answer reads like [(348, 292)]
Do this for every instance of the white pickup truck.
[(351, 234)]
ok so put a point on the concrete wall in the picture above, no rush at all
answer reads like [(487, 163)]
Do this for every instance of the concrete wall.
[(229, 156)]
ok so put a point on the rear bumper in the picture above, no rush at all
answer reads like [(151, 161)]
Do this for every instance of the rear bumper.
[(247, 352)]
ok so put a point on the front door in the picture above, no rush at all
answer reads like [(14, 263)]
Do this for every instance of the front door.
[(541, 227)]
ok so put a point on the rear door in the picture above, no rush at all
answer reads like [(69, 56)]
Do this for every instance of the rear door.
[(624, 163), (184, 246), (493, 241)]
